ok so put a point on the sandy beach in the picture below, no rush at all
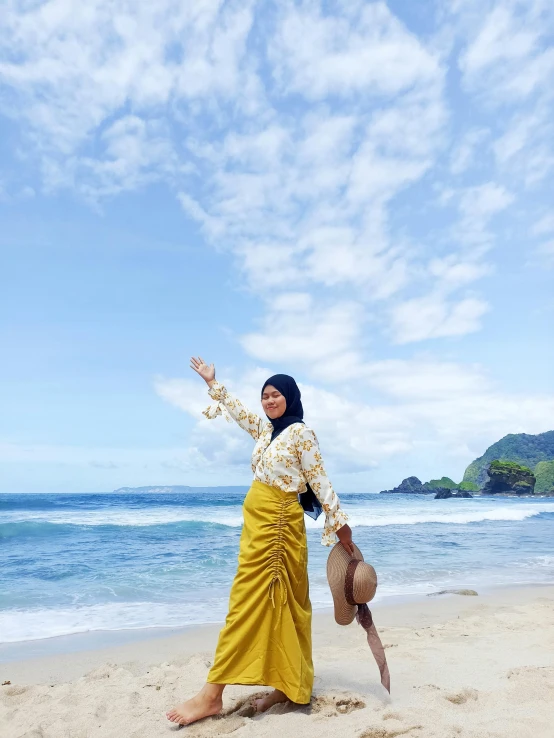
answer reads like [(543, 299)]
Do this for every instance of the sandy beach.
[(475, 667)]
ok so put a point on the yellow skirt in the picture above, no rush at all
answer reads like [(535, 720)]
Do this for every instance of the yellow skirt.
[(267, 636)]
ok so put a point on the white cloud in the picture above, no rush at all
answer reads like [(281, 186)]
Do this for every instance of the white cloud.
[(453, 272), (296, 330), (451, 407), (484, 201), (465, 151), (72, 71), (214, 442), (440, 313), (306, 139), (515, 139), (508, 66), (524, 150), (433, 316), (318, 54), (297, 185), (136, 152), (425, 379), (477, 206), (447, 404), (510, 57), (544, 225)]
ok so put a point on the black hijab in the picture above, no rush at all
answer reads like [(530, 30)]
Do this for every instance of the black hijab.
[(294, 413)]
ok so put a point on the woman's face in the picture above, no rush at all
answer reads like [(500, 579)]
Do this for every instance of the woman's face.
[(273, 402)]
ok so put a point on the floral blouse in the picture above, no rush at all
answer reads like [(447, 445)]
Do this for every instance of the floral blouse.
[(289, 462)]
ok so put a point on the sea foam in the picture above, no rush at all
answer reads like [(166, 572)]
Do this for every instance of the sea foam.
[(360, 516)]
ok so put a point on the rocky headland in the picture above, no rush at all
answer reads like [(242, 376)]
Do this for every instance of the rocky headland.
[(520, 448), (519, 465), (507, 476), (408, 486), (440, 488)]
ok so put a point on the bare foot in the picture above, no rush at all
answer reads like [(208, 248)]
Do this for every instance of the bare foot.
[(271, 699), (196, 708)]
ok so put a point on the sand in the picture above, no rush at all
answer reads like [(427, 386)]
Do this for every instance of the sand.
[(474, 667)]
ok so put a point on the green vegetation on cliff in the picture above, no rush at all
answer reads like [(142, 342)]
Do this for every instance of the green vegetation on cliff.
[(509, 477), (468, 486), (544, 472), (507, 467), (520, 448), (519, 464), (442, 483)]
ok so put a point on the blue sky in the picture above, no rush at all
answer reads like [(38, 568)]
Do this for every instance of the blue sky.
[(355, 193)]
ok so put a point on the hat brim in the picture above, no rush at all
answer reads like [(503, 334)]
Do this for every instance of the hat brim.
[(337, 563)]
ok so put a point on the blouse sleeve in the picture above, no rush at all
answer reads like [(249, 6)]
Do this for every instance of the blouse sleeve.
[(312, 467), (226, 403)]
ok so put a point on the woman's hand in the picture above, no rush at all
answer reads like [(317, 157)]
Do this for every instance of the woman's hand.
[(206, 372), (345, 537)]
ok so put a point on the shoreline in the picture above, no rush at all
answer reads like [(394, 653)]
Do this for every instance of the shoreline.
[(461, 667), (36, 660), (93, 640)]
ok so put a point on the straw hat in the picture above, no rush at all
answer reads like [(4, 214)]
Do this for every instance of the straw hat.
[(353, 583), (364, 584)]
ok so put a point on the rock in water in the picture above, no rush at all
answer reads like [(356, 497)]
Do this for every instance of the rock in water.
[(507, 476), (444, 494)]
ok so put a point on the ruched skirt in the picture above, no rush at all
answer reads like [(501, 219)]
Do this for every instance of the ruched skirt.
[(267, 638)]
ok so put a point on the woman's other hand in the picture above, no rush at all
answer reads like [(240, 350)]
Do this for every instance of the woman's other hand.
[(207, 372), (344, 535)]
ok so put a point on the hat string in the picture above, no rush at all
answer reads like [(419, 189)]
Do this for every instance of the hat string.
[(365, 619)]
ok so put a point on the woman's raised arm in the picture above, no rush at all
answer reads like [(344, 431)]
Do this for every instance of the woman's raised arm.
[(247, 420)]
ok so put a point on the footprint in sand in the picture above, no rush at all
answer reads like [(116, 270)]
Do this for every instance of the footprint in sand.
[(335, 704), (245, 707), (15, 691), (384, 733), (236, 716), (462, 697), (428, 687), (530, 672), (392, 716)]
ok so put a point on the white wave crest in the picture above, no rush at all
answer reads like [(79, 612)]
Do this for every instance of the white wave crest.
[(361, 515), (140, 518), (514, 512), (30, 625)]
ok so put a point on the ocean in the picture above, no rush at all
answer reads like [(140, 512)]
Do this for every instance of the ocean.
[(97, 562)]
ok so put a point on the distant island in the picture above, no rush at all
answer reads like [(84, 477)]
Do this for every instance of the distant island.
[(175, 489), (519, 464)]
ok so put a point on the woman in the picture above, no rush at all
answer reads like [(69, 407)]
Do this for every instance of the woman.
[(266, 639)]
